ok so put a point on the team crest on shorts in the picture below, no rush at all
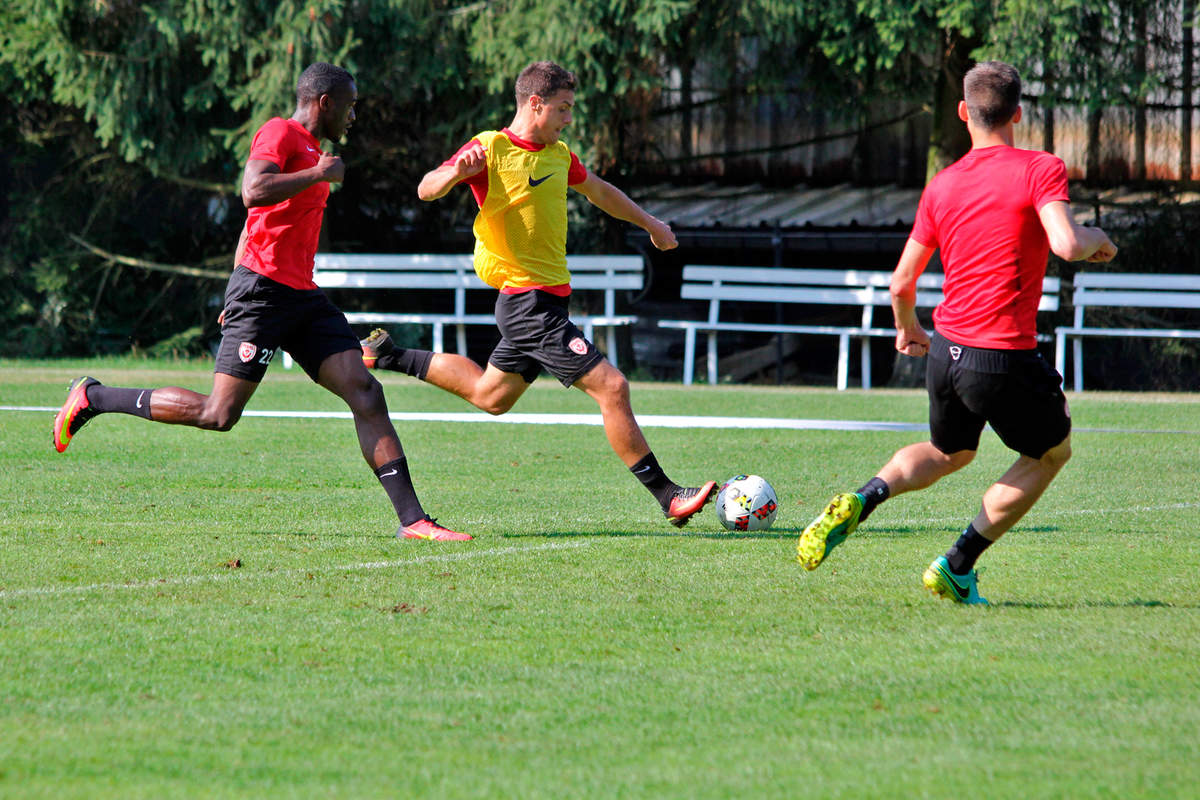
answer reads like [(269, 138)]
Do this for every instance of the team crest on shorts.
[(578, 345), (247, 351), (955, 352)]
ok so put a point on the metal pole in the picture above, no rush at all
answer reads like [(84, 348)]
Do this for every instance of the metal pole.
[(777, 246)]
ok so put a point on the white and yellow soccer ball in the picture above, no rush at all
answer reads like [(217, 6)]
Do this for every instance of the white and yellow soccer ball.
[(746, 503)]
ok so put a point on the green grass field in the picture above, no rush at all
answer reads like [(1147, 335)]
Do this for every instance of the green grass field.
[(190, 614)]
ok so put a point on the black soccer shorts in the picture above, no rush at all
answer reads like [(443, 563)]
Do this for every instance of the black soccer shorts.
[(536, 332), (1015, 391), (263, 317)]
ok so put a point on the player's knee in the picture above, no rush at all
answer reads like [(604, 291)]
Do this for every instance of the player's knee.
[(497, 405), (366, 395), (615, 385), (220, 420)]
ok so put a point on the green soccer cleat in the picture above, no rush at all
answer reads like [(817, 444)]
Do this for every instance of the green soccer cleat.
[(960, 588), (829, 530)]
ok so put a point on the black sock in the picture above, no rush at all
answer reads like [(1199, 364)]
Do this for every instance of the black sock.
[(963, 554), (874, 492), (398, 485), (406, 360), (103, 399), (653, 478)]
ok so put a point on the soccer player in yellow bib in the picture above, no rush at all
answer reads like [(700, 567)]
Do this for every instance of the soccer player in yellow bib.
[(519, 177)]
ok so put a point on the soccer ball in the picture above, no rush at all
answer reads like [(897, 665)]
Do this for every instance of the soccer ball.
[(746, 503)]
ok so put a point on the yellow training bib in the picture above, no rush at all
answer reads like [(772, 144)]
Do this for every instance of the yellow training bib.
[(521, 228)]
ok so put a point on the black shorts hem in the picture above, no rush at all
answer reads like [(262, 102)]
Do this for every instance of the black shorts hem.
[(584, 370), (530, 374)]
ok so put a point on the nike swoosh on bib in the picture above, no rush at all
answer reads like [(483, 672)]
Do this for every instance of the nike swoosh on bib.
[(539, 181)]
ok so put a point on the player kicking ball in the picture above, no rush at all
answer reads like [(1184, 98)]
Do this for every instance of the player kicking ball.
[(519, 177), (995, 214), (271, 303)]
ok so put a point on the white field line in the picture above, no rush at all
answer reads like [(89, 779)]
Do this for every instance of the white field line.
[(187, 580), (645, 420), (1038, 511), (1048, 513), (466, 555), (238, 574)]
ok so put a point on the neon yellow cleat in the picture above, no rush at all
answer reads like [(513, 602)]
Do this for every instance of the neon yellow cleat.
[(829, 529), (960, 588)]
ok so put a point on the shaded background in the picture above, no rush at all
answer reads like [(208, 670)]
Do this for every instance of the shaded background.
[(767, 131)]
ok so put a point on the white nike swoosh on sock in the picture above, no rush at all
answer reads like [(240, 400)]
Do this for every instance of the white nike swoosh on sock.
[(139, 400), (390, 474)]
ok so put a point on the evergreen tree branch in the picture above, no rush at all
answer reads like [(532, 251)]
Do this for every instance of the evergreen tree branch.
[(154, 266)]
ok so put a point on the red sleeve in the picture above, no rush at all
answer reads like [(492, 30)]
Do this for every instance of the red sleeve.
[(924, 229), (449, 162), (1047, 176), (577, 173), (479, 181), (273, 143)]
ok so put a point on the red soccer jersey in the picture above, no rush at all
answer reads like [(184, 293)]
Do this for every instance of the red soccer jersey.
[(982, 212), (282, 239)]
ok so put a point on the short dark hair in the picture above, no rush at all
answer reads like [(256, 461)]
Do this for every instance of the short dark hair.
[(543, 78), (320, 78), (992, 90)]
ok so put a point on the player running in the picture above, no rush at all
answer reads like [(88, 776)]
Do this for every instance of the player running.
[(519, 177), (994, 214), (271, 303)]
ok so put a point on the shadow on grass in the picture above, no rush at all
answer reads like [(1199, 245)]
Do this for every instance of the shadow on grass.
[(775, 533), (896, 530), (1136, 603)]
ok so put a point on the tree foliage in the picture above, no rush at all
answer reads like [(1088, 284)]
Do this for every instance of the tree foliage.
[(1089, 53), (132, 118)]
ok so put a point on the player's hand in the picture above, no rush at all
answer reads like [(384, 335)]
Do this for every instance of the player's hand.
[(471, 161), (1107, 251), (913, 342), (661, 235), (332, 168)]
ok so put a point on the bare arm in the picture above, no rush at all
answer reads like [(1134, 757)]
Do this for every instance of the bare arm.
[(264, 184), (437, 182), (1071, 241), (241, 245), (615, 203), (911, 338)]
